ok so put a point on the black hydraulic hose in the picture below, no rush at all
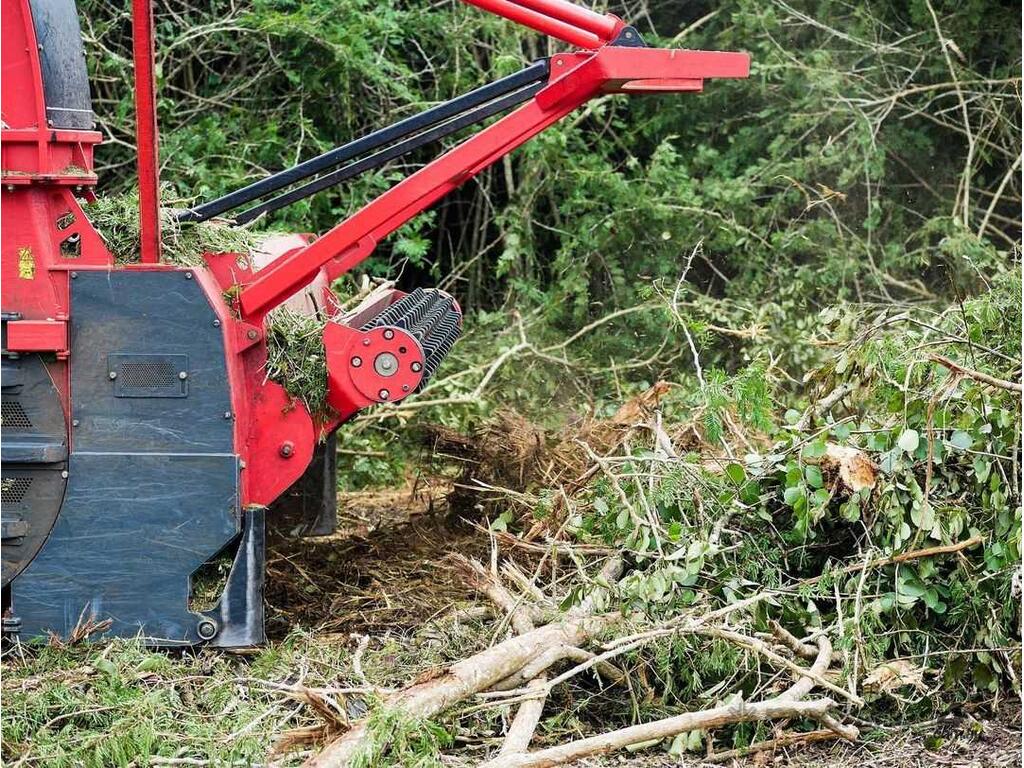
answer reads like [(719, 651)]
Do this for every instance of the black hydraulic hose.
[(534, 73), (385, 155)]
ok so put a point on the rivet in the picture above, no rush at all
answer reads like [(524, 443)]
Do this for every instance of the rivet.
[(188, 275), (216, 323), (286, 450), (356, 362), (227, 414), (112, 375), (405, 387), (74, 275), (206, 629), (384, 394), (252, 334), (182, 375), (75, 422), (389, 334), (366, 342)]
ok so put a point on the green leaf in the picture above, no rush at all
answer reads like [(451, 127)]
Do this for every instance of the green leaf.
[(813, 476), (961, 440), (909, 440), (736, 473), (622, 519), (982, 469)]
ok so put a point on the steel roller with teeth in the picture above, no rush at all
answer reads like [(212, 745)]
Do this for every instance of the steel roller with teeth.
[(429, 315)]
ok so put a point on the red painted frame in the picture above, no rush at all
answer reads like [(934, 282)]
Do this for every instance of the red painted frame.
[(146, 138)]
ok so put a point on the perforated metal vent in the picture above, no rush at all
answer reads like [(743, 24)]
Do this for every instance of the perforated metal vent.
[(14, 416), (154, 374), (13, 489), (149, 375)]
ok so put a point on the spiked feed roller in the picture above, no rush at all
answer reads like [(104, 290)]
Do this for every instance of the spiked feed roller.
[(141, 436)]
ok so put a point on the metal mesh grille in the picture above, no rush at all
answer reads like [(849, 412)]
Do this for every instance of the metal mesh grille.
[(13, 489), (14, 416), (152, 374)]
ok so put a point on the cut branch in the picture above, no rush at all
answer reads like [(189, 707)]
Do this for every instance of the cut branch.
[(738, 712), (992, 381)]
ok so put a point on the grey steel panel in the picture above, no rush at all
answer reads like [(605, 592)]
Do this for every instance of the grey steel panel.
[(132, 530), (147, 314)]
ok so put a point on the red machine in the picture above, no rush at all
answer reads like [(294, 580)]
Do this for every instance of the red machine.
[(141, 437)]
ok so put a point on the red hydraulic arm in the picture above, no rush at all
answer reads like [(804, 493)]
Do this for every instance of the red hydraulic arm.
[(574, 79)]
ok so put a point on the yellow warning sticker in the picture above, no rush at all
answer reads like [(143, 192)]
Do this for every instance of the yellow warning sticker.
[(26, 264)]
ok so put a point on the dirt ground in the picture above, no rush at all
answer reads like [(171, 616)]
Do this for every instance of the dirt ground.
[(384, 569)]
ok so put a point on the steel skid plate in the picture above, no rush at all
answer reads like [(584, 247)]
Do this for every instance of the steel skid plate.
[(152, 492)]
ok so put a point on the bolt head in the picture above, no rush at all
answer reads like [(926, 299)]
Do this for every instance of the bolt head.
[(182, 375), (386, 364), (286, 450), (416, 367), (356, 362), (188, 275), (75, 422), (112, 375), (366, 342), (64, 474), (252, 334), (216, 323), (227, 414), (207, 629), (389, 334), (384, 394), (405, 387)]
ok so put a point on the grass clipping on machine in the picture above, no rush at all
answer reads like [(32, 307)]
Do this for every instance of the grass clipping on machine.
[(116, 218), (296, 358)]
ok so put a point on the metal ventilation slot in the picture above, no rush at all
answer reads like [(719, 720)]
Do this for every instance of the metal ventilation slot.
[(13, 489), (160, 374), (149, 375), (14, 417)]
